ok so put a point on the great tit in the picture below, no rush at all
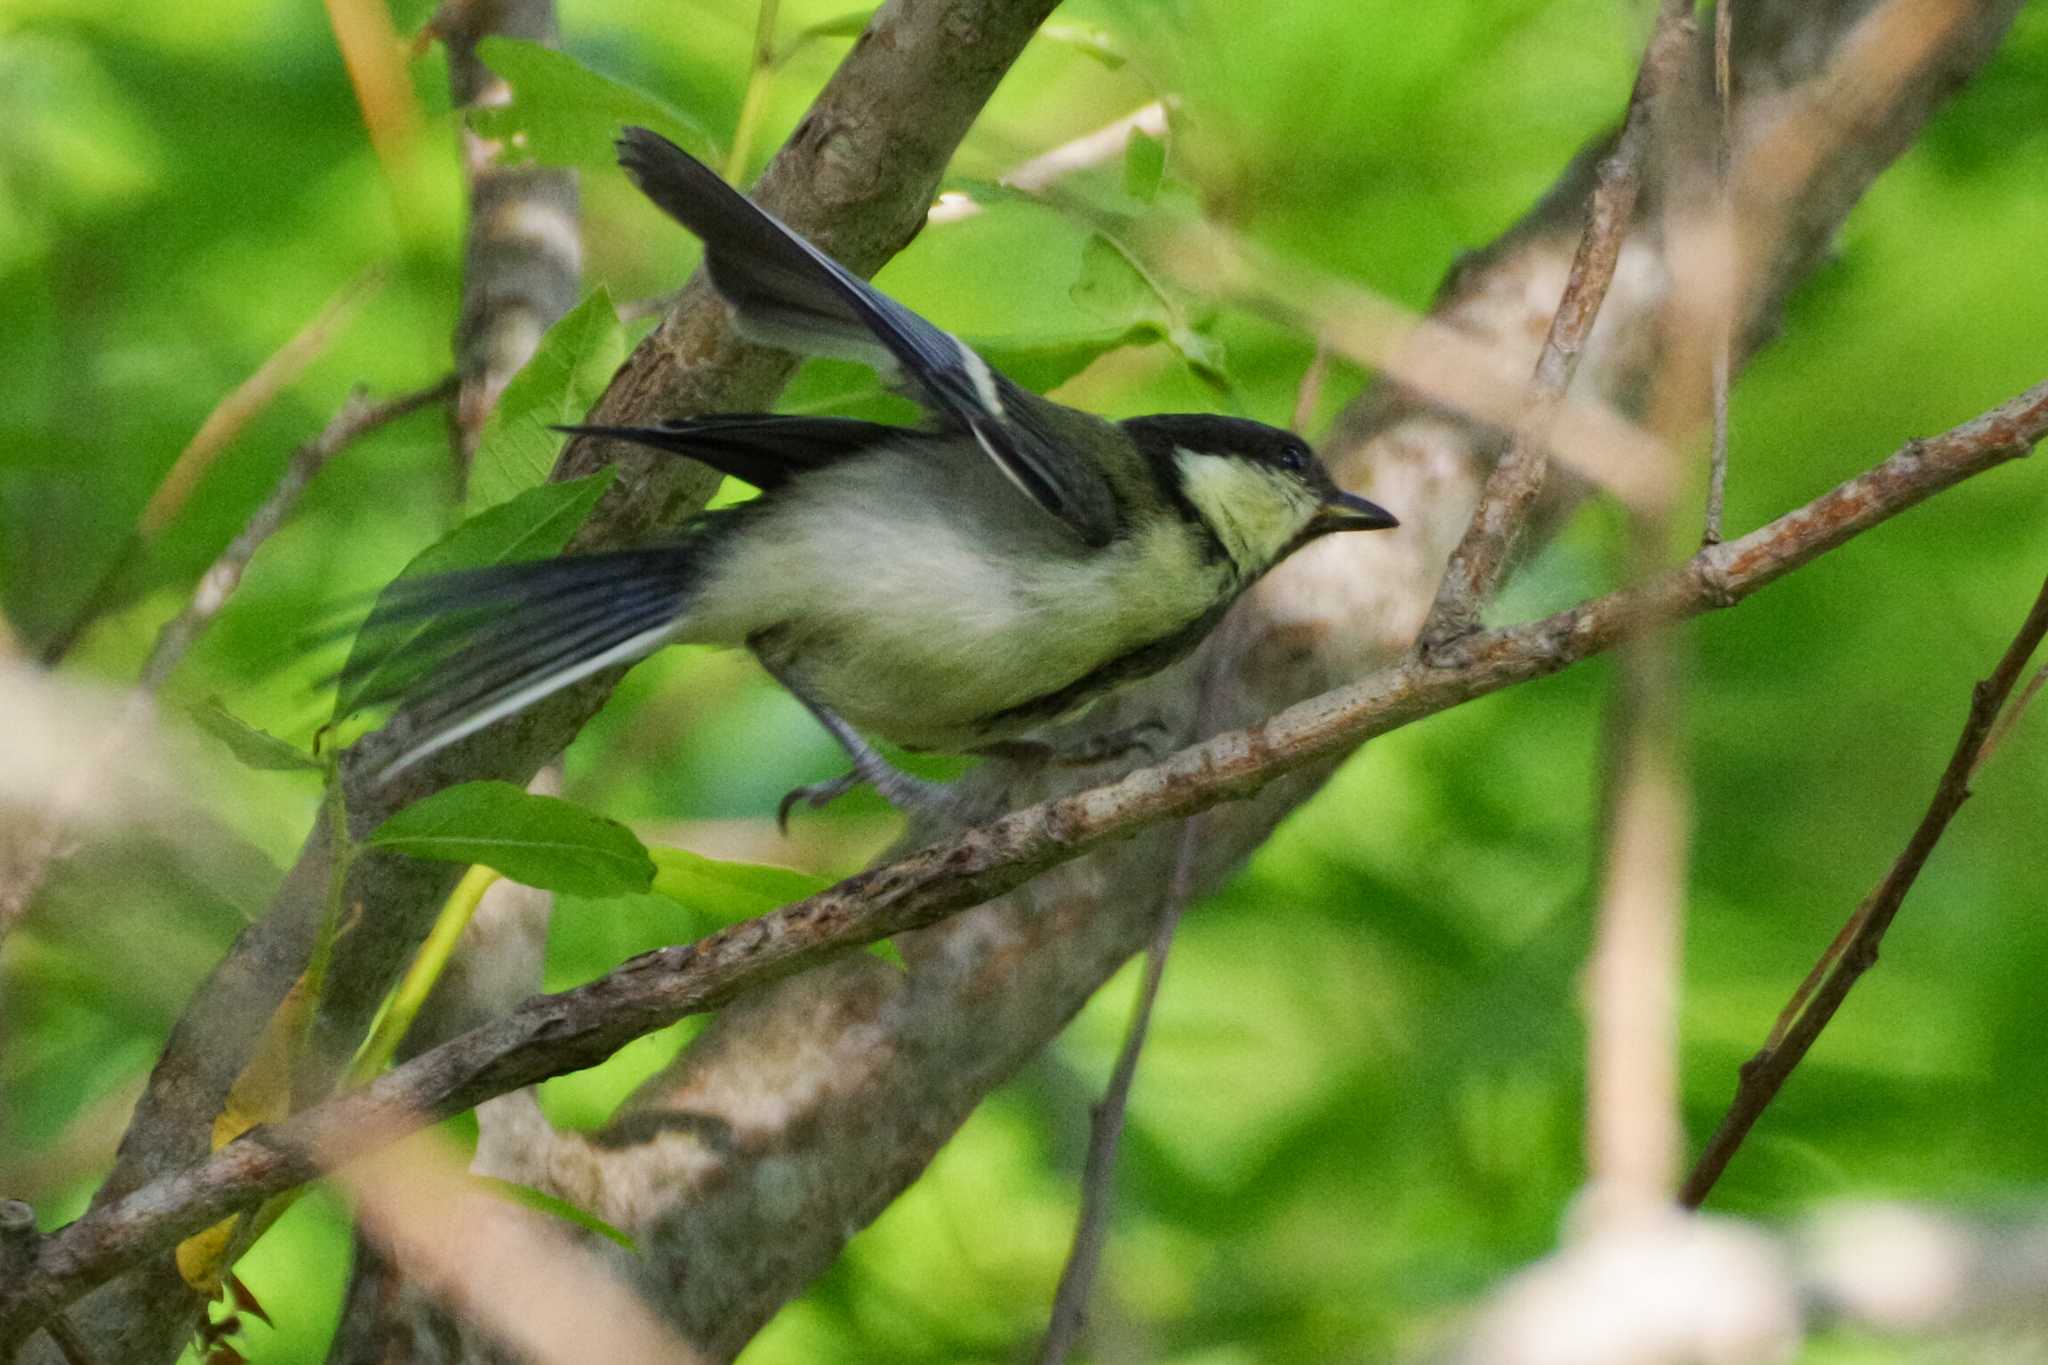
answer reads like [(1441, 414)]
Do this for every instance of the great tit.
[(959, 587)]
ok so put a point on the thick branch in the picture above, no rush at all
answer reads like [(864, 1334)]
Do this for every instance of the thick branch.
[(857, 176), (522, 254), (839, 1087), (554, 1034)]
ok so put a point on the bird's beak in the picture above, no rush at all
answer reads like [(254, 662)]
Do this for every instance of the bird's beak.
[(1349, 512)]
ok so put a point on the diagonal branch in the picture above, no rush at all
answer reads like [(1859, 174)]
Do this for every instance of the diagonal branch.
[(1481, 559), (553, 1034), (858, 176), (841, 1086), (1855, 953)]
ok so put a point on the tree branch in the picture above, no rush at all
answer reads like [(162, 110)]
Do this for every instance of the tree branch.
[(522, 257), (841, 1086), (1765, 1073), (1480, 561), (860, 1109), (550, 1035), (857, 177)]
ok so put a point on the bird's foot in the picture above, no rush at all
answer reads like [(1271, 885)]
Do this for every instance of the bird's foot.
[(816, 795), (911, 795)]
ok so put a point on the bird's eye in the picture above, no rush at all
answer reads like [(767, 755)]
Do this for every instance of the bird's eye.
[(1294, 459)]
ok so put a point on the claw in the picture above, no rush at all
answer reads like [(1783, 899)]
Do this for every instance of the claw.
[(906, 793), (816, 795)]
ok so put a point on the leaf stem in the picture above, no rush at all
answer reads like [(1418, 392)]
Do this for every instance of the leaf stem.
[(760, 70), (420, 978)]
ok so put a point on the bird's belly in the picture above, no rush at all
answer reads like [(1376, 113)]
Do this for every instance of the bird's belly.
[(930, 644)]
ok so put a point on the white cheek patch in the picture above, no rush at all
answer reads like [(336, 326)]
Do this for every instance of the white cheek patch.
[(1255, 510)]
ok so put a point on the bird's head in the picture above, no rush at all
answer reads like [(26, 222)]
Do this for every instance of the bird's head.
[(1258, 489)]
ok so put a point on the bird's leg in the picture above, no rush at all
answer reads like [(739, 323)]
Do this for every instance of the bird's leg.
[(895, 786)]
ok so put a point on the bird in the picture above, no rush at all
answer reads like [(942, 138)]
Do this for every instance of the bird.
[(964, 586)]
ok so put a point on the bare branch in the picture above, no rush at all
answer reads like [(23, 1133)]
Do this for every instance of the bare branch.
[(550, 1035), (1633, 1135), (522, 255), (510, 1269), (1764, 1074), (229, 418), (359, 417), (1480, 561), (1724, 336), (1106, 1118), (857, 177)]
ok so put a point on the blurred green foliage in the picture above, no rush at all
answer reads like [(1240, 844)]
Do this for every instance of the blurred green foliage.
[(1361, 1104)]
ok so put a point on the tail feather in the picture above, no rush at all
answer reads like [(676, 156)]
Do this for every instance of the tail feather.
[(459, 651)]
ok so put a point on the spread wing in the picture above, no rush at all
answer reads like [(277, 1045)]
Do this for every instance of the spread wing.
[(789, 294)]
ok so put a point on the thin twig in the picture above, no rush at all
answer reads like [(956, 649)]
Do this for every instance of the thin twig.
[(1106, 1124), (1482, 378), (1106, 1118), (229, 418), (1724, 340), (1043, 173), (1763, 1074), (2012, 715), (45, 847), (358, 418), (553, 1034), (1481, 558)]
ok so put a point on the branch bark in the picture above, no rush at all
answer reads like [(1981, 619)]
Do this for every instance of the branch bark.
[(521, 271), (1481, 560), (857, 177), (550, 1035), (841, 1089)]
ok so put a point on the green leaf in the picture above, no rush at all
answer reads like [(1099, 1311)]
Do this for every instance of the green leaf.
[(542, 841), (1204, 355), (1144, 165), (727, 892), (255, 748), (534, 525), (1088, 40), (1044, 363), (564, 114), (849, 25), (1111, 287), (528, 1197), (990, 193), (569, 369)]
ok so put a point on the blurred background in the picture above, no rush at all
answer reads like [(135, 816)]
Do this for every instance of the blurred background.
[(1361, 1104)]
